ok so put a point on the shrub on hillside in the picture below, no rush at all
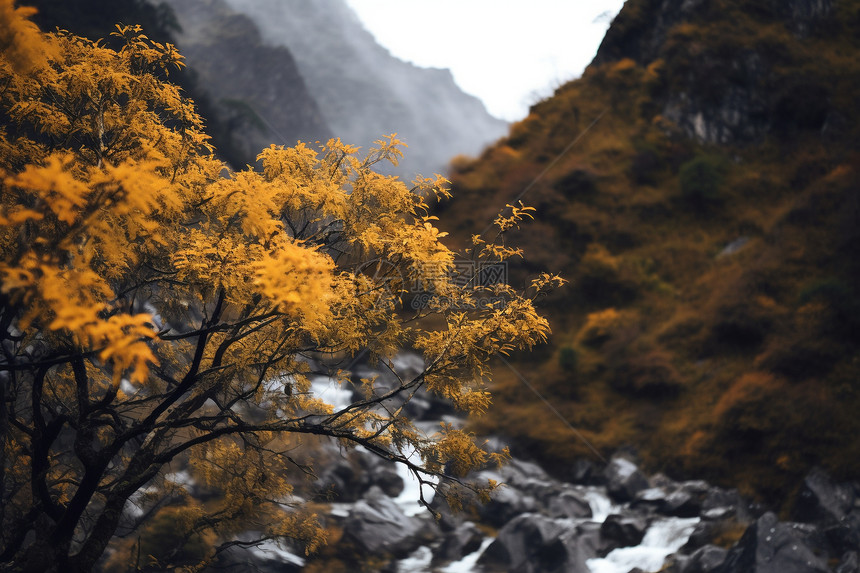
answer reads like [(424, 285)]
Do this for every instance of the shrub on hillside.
[(577, 184), (753, 408), (647, 374), (645, 165), (702, 179), (568, 359), (602, 281), (600, 327)]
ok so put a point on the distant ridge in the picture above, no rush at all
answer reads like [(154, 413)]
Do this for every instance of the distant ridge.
[(364, 92)]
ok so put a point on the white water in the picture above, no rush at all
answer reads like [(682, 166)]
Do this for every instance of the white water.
[(418, 561), (421, 558), (408, 498), (271, 550), (664, 537), (329, 389), (600, 504), (467, 563)]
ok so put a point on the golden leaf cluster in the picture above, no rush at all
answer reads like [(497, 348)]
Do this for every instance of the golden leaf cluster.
[(158, 307)]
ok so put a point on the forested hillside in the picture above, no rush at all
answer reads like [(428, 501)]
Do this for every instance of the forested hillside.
[(699, 188)]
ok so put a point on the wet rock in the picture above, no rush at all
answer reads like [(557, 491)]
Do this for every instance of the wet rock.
[(570, 554), (554, 498), (844, 537), (584, 472), (678, 500), (590, 542), (849, 563), (517, 472), (520, 542), (702, 535), (533, 543), (705, 560), (378, 472), (821, 499), (446, 518), (507, 502), (724, 503), (340, 482), (687, 500), (569, 504), (346, 480), (376, 525), (624, 480), (267, 557), (769, 546), (624, 530), (465, 539)]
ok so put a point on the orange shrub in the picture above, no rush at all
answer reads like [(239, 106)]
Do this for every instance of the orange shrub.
[(751, 404), (599, 327)]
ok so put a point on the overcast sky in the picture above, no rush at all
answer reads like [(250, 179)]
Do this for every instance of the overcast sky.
[(509, 53)]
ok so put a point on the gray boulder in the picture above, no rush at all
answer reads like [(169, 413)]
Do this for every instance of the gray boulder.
[(624, 480), (518, 472), (678, 500), (849, 563), (347, 479), (624, 530), (590, 543), (769, 546), (465, 539), (705, 560), (821, 499), (376, 525), (507, 502), (533, 543), (724, 503), (569, 503)]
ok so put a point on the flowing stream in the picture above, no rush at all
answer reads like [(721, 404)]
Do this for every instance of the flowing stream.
[(665, 535)]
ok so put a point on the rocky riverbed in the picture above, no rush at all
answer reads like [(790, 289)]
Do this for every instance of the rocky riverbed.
[(612, 518)]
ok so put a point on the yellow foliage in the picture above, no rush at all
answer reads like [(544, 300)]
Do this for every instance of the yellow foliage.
[(156, 307), (21, 44), (599, 327)]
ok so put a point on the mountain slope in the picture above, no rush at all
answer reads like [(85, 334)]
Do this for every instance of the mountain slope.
[(364, 92), (699, 187), (256, 88)]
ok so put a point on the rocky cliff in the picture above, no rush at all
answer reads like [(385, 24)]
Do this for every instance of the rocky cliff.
[(364, 92), (730, 70), (256, 88)]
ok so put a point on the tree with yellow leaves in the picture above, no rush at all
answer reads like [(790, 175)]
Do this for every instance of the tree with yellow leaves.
[(156, 307)]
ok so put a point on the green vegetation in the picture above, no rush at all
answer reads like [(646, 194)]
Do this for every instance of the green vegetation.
[(702, 180), (693, 353)]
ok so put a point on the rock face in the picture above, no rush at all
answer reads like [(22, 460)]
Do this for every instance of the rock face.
[(256, 88), (365, 93), (729, 91)]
